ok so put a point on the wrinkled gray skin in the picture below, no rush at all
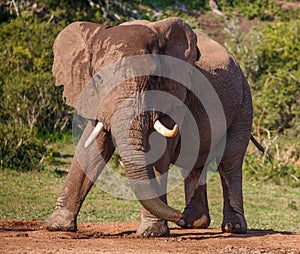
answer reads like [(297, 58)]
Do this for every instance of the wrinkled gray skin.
[(82, 49)]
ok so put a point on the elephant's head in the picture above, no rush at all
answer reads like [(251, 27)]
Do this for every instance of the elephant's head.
[(128, 109)]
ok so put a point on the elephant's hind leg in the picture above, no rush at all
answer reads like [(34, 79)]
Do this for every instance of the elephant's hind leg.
[(233, 211), (230, 169), (196, 212)]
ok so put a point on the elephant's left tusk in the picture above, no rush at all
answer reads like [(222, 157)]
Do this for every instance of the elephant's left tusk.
[(95, 133), (163, 130)]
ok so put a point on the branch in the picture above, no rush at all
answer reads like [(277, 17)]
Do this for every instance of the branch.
[(16, 7), (215, 9)]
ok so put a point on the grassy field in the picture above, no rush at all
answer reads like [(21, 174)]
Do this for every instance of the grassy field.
[(32, 195)]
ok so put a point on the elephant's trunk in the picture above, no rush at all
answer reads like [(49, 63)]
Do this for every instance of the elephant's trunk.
[(131, 143), (144, 187)]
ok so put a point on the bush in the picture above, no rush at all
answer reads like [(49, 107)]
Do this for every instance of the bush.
[(271, 63), (269, 57), (30, 103), (260, 9), (284, 169), (19, 148)]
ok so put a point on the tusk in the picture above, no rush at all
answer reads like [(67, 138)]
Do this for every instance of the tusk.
[(95, 133), (161, 129)]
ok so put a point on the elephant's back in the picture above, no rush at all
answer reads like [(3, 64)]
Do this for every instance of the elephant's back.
[(223, 73), (213, 56)]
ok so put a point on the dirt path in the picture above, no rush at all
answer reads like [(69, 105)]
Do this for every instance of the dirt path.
[(119, 237)]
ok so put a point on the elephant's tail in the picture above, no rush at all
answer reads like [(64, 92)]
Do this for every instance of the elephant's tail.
[(261, 148)]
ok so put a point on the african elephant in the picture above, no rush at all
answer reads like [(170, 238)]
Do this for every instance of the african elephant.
[(83, 48)]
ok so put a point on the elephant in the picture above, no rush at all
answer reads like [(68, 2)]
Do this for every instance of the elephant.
[(122, 120)]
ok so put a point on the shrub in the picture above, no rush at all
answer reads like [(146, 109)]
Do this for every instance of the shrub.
[(269, 57), (272, 66), (284, 169), (19, 148), (30, 103), (261, 9)]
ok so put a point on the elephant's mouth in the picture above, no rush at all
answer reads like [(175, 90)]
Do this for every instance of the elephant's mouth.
[(158, 126)]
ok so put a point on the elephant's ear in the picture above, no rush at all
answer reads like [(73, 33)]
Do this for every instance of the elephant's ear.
[(177, 39), (72, 57)]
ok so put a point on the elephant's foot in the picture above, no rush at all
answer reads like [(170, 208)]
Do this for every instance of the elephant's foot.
[(152, 227), (61, 220), (234, 223), (196, 219)]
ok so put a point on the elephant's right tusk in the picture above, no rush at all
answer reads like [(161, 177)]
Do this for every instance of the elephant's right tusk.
[(95, 133), (163, 130)]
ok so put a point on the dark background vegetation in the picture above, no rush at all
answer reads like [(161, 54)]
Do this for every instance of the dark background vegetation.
[(33, 115)]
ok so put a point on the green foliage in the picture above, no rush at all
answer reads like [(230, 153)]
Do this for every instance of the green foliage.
[(184, 5), (269, 57), (261, 9), (19, 148), (30, 103), (282, 170)]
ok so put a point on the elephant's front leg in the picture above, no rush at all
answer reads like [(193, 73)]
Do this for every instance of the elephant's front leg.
[(152, 226), (196, 212), (86, 166)]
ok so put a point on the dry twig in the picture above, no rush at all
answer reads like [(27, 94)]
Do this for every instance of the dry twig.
[(215, 9)]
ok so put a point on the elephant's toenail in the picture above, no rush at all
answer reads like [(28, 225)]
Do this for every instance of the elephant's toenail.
[(237, 226), (228, 227), (181, 223)]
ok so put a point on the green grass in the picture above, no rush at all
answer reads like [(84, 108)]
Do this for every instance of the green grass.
[(267, 206), (32, 195)]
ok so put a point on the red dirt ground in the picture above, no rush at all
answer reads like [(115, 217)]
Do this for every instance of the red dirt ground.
[(119, 237)]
